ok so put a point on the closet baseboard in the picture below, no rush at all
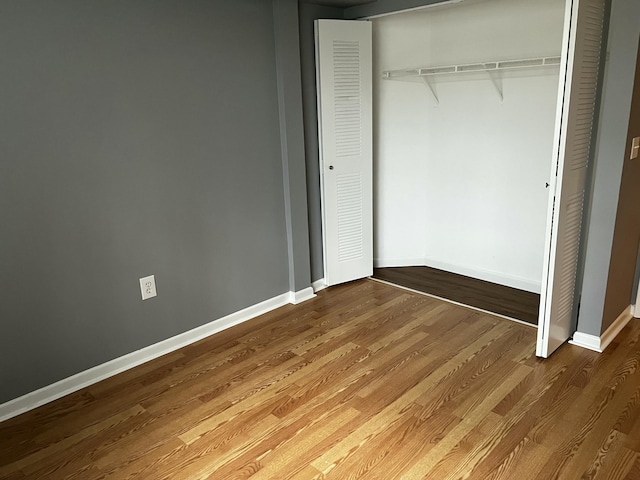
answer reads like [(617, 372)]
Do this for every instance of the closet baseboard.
[(398, 262), (600, 343), (301, 295), (319, 284)]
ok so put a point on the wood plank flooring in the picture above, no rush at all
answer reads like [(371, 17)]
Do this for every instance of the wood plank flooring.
[(488, 296), (366, 381)]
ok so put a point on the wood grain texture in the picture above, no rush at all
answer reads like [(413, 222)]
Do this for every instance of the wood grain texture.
[(366, 381), (488, 296)]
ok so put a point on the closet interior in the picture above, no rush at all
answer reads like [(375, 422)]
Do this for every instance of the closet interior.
[(464, 102)]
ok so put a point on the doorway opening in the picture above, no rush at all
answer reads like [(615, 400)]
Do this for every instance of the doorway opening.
[(465, 102), (481, 189)]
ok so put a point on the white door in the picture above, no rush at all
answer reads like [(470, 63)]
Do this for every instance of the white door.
[(344, 81), (574, 122)]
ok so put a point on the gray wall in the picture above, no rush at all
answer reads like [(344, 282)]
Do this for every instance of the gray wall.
[(285, 14), (136, 138), (622, 47), (626, 235)]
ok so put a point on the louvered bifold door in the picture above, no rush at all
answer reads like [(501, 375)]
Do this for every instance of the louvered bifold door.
[(344, 82), (574, 128)]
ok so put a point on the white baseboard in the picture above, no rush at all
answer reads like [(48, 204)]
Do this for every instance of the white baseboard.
[(397, 262), (318, 285), (599, 343), (301, 295), (585, 340), (487, 275), (93, 375)]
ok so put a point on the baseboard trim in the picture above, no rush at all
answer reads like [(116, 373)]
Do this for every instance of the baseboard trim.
[(397, 262), (93, 375), (600, 343), (585, 340), (616, 327), (481, 274), (319, 284), (301, 295)]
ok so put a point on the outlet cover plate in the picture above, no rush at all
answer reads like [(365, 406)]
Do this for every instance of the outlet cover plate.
[(148, 287)]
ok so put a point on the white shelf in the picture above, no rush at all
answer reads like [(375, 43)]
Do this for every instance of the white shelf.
[(493, 69)]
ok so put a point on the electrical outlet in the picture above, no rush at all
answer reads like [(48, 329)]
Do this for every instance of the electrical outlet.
[(148, 287)]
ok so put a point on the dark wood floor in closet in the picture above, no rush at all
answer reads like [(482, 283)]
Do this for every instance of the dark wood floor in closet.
[(507, 301)]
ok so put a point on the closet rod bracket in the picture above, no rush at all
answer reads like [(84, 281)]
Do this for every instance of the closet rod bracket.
[(427, 81), (496, 80)]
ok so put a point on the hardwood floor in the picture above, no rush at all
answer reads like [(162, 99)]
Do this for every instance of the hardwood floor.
[(488, 296), (364, 381)]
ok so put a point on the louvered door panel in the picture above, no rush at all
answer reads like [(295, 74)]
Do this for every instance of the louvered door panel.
[(346, 67), (350, 224), (344, 80), (574, 130)]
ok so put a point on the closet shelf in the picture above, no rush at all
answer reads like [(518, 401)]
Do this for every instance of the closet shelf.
[(472, 67), (492, 68)]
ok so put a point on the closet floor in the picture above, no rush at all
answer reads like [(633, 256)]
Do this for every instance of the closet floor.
[(499, 299)]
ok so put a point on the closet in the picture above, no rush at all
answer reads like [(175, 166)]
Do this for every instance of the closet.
[(482, 116), (464, 140)]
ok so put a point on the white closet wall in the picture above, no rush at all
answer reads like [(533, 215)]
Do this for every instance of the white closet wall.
[(460, 185)]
